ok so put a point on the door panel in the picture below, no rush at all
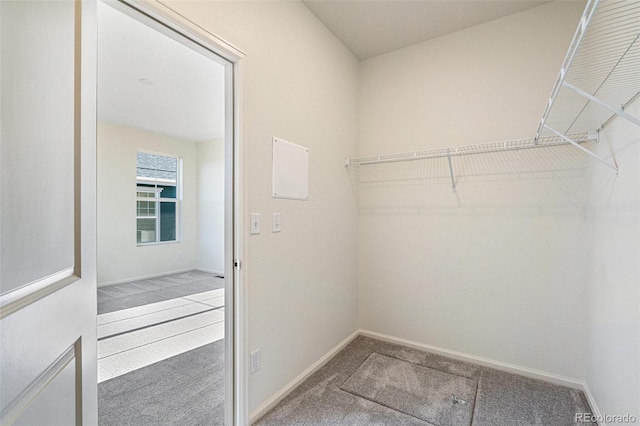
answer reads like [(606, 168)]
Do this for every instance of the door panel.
[(47, 224), (61, 392), (38, 140), (39, 375)]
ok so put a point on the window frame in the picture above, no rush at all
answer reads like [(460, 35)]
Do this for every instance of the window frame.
[(157, 200)]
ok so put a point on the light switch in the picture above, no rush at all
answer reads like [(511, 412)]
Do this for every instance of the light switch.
[(276, 222), (255, 223)]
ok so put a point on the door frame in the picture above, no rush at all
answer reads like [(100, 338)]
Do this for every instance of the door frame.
[(163, 18)]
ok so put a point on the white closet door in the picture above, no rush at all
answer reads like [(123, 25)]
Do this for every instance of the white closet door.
[(47, 213)]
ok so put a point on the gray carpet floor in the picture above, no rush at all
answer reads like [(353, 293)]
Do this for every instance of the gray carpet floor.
[(421, 392), (185, 390), (137, 293), (369, 382), (348, 391)]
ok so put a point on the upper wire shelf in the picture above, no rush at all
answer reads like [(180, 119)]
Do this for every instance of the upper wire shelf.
[(600, 75), (599, 78)]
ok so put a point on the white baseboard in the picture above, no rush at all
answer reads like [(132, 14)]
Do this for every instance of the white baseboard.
[(592, 403), (144, 277), (209, 271), (485, 362), (282, 393)]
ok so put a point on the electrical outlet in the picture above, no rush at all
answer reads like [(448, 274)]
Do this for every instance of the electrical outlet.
[(276, 222), (255, 361)]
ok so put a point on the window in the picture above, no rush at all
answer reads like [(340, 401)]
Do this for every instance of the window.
[(157, 198)]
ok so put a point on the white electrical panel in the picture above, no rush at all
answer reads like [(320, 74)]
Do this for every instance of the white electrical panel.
[(290, 170)]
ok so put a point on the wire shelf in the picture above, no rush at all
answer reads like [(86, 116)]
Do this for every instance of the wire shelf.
[(512, 145), (600, 75)]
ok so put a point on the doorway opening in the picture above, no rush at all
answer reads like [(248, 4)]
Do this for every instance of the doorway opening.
[(165, 227)]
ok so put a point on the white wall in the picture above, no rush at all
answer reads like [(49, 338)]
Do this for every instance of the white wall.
[(210, 206), (300, 84), (496, 269), (613, 374), (119, 257)]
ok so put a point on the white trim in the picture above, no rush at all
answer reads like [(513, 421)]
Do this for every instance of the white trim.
[(156, 243), (592, 403), (208, 271), (34, 286), (150, 190), (485, 362), (169, 17), (282, 393), (86, 207), (149, 181), (173, 23), (238, 277), (144, 277), (27, 294)]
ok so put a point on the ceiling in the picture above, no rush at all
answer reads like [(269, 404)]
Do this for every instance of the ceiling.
[(373, 27), (149, 81)]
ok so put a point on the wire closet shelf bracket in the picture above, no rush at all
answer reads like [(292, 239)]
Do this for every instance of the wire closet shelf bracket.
[(600, 75)]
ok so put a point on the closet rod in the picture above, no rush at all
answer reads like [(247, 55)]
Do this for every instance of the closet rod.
[(513, 145)]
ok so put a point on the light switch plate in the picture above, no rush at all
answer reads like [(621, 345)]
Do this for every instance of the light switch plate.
[(255, 361), (255, 223), (276, 222)]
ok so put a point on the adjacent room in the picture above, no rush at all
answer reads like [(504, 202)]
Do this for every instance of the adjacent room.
[(161, 236)]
